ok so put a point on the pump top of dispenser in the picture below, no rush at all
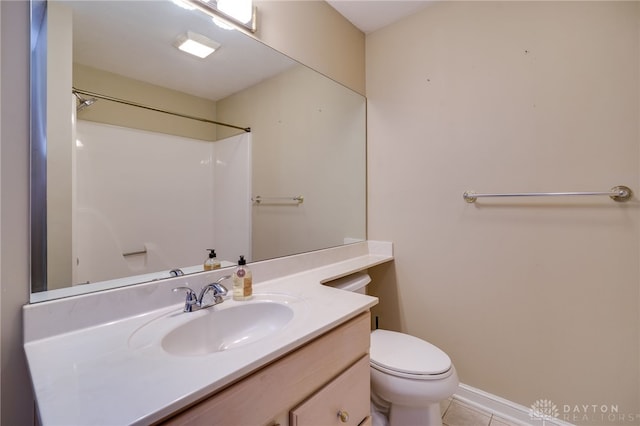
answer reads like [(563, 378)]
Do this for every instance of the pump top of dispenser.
[(211, 262), (242, 261)]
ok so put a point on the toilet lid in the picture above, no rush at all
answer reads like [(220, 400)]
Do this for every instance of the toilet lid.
[(407, 354)]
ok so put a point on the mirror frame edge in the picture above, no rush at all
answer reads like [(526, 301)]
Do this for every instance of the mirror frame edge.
[(38, 145)]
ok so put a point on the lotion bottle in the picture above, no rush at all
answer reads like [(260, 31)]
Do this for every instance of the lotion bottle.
[(242, 281), (211, 262)]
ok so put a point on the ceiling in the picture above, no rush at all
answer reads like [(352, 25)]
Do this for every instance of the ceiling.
[(135, 39), (371, 15)]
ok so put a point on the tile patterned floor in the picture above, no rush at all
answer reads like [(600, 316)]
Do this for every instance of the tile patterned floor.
[(457, 413)]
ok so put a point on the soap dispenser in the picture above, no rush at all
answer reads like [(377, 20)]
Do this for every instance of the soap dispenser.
[(242, 281), (211, 262)]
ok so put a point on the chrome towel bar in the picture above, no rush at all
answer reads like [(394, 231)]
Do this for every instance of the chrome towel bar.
[(619, 193), (133, 253), (298, 199)]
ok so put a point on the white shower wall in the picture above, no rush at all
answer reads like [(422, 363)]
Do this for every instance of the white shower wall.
[(163, 194), (232, 204)]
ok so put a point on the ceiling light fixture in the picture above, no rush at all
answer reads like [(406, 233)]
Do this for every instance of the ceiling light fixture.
[(240, 14), (221, 23), (183, 4), (242, 10), (196, 44)]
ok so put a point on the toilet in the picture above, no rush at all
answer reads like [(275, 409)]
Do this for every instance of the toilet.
[(409, 376)]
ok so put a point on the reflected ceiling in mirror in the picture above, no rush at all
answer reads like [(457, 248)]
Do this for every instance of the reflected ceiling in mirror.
[(133, 193)]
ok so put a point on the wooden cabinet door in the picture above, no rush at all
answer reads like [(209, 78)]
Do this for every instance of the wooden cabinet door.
[(343, 401)]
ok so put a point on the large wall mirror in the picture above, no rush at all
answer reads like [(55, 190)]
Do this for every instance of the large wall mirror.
[(133, 177)]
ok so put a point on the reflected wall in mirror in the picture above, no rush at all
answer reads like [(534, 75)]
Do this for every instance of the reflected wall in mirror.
[(133, 193)]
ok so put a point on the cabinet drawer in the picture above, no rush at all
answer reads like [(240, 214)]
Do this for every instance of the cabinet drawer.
[(343, 401)]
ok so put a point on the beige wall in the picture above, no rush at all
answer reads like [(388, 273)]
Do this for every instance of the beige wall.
[(117, 86), (537, 298), (16, 406), (314, 33), (60, 150), (309, 45), (303, 126)]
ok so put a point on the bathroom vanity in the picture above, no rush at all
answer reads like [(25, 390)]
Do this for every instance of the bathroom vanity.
[(324, 382), (297, 353)]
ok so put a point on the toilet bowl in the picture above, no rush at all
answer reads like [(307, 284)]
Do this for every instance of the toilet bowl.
[(409, 376)]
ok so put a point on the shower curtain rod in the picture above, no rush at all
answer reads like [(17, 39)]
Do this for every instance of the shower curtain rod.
[(135, 104)]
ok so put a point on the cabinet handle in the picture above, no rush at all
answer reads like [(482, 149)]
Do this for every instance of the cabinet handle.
[(343, 416)]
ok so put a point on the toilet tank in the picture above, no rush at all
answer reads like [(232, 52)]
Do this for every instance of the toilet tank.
[(355, 282)]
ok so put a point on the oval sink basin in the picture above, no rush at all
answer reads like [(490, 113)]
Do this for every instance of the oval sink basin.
[(223, 329)]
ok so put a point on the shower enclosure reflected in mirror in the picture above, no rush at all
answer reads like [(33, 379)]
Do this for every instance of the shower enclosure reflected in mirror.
[(129, 191)]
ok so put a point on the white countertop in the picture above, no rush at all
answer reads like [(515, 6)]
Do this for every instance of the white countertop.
[(92, 374)]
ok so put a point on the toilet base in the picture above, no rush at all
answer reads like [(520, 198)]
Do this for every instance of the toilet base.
[(415, 416)]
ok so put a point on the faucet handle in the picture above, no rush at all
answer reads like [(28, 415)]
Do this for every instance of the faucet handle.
[(220, 289), (191, 298)]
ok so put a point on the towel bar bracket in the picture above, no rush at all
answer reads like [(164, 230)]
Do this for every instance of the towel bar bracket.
[(621, 193)]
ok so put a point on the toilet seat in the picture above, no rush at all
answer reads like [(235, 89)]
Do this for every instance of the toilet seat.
[(402, 355)]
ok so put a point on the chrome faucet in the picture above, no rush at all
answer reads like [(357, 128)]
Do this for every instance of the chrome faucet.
[(193, 302), (176, 272), (191, 299)]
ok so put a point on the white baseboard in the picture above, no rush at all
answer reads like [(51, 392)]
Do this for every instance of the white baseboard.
[(508, 410)]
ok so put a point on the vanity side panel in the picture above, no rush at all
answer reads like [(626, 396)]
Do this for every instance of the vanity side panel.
[(282, 385)]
